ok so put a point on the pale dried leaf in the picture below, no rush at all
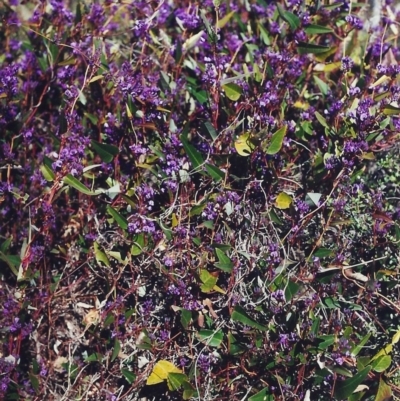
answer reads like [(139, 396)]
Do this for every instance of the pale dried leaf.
[(207, 302), (84, 305), (92, 317), (355, 276), (361, 387), (59, 361), (142, 361)]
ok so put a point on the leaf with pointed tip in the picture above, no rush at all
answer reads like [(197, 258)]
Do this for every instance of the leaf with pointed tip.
[(240, 315), (345, 389), (74, 183), (194, 155), (277, 141), (225, 264)]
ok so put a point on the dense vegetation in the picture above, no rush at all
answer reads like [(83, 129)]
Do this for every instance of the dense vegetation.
[(199, 200)]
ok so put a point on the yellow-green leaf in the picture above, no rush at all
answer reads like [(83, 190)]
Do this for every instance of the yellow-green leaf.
[(100, 255), (382, 363), (391, 110), (368, 156), (223, 21), (322, 67), (232, 91), (243, 145), (175, 221), (219, 289), (47, 172), (396, 337), (283, 201), (385, 351), (161, 371), (208, 281)]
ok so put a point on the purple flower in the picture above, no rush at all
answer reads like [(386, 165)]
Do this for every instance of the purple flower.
[(347, 64), (284, 340), (279, 295), (354, 22)]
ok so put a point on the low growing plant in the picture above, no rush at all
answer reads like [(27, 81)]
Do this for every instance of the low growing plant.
[(199, 200)]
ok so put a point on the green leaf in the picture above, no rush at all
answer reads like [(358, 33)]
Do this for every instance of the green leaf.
[(311, 48), (194, 155), (277, 141), (317, 29), (175, 380), (93, 118), (72, 369), (321, 120), (345, 388), (225, 264), (323, 86), (274, 217), (13, 262), (106, 152), (322, 252), (291, 290), (121, 221), (382, 363), (211, 130), (335, 5), (109, 319), (208, 224), (397, 232), (201, 96), (145, 342), (331, 303), (196, 241), (197, 209), (186, 318), (235, 348), (117, 348), (178, 52), (211, 337), (232, 91), (34, 382), (264, 35), (315, 326), (342, 371), (208, 280), (262, 395), (215, 173), (47, 172), (100, 255), (95, 357), (355, 351), (327, 341), (188, 391), (78, 14), (240, 315), (5, 245), (138, 245), (74, 183), (129, 375), (35, 367), (292, 19)]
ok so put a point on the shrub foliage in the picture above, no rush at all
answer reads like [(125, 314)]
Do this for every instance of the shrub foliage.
[(199, 200)]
